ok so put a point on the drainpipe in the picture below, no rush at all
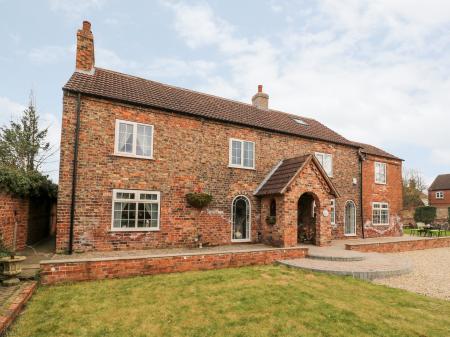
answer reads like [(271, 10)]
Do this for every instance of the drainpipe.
[(361, 211), (74, 174)]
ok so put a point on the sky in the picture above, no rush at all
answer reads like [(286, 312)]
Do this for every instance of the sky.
[(375, 71)]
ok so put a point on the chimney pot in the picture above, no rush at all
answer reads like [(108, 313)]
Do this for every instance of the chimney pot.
[(260, 99), (86, 26), (85, 60)]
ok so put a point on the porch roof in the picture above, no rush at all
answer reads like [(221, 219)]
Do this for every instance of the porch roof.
[(284, 173)]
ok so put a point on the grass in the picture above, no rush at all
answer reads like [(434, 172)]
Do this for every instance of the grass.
[(444, 233), (253, 301)]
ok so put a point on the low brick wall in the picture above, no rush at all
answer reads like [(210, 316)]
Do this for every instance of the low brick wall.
[(13, 209), (58, 271), (400, 246), (15, 307)]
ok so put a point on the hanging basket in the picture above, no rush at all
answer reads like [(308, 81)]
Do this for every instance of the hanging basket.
[(198, 200)]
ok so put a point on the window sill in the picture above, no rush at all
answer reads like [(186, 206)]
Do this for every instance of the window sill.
[(128, 230), (242, 167), (379, 183), (350, 235), (380, 224), (240, 240), (131, 156)]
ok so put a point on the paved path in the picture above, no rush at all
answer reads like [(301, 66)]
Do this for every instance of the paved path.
[(430, 275)]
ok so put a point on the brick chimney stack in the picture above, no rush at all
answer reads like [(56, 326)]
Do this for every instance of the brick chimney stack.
[(260, 99), (85, 49)]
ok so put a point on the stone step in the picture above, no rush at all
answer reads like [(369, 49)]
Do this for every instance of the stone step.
[(342, 256), (372, 267)]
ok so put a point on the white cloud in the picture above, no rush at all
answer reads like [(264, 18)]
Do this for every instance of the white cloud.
[(74, 9), (50, 54), (9, 110), (376, 71)]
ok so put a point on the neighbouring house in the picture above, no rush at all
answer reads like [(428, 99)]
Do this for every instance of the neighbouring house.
[(439, 191), (132, 149), (439, 196)]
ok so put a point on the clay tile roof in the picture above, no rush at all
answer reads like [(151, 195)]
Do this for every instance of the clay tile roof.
[(112, 85), (442, 182), (370, 149), (284, 172)]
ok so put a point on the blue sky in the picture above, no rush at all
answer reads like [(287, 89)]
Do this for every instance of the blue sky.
[(375, 71)]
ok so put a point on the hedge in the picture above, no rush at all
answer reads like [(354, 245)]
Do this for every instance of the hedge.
[(425, 214), (24, 184)]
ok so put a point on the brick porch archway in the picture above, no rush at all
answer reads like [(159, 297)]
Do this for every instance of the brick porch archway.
[(286, 183)]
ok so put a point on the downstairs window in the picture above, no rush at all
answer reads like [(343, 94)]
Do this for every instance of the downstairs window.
[(135, 210)]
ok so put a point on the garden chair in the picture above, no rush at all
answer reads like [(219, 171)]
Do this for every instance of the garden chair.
[(420, 228), (436, 230)]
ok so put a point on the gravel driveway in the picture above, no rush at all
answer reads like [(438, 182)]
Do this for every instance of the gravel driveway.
[(430, 275)]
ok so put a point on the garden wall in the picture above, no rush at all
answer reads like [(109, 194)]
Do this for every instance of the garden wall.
[(400, 246), (53, 272), (13, 209), (32, 216)]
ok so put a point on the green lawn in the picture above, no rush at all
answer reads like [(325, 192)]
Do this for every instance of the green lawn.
[(408, 231), (254, 301)]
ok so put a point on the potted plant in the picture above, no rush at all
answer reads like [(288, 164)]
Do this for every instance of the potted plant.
[(271, 220), (198, 200)]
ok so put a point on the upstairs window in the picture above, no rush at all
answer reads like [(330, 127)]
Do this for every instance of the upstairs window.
[(380, 213), (134, 139), (326, 160), (135, 210), (273, 208), (440, 195), (242, 154), (380, 173)]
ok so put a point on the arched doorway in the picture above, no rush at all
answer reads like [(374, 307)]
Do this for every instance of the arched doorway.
[(307, 218), (241, 219), (350, 218)]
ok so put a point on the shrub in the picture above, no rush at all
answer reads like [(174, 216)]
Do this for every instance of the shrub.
[(271, 220), (198, 200), (24, 183), (425, 214)]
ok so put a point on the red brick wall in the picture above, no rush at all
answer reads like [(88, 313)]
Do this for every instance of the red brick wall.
[(9, 204), (391, 192), (189, 154), (400, 246), (57, 272), (439, 202)]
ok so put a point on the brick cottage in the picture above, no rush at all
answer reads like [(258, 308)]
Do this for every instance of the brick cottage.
[(132, 149)]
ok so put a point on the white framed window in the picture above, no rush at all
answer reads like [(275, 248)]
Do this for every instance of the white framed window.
[(333, 211), (439, 195), (241, 154), (326, 160), (380, 173), (135, 210), (380, 213), (133, 139)]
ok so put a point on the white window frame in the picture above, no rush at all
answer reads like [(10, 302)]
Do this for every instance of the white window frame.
[(137, 201), (382, 182), (230, 153), (439, 195), (354, 216), (249, 239), (333, 211), (133, 154), (322, 154), (378, 206)]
